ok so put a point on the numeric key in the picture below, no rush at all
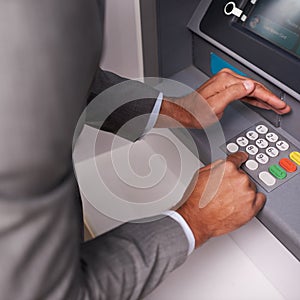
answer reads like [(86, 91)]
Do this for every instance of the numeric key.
[(272, 137), (282, 145), (252, 150), (272, 152), (262, 158), (252, 135), (242, 141), (262, 129), (262, 143)]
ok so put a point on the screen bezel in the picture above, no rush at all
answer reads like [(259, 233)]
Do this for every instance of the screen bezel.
[(268, 57)]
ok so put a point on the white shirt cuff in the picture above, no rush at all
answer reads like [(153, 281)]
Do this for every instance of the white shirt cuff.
[(154, 114), (186, 228)]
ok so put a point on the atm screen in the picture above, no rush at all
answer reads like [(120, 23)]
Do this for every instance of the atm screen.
[(265, 33), (277, 21)]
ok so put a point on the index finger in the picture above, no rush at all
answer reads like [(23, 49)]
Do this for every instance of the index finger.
[(263, 94), (260, 92), (238, 158)]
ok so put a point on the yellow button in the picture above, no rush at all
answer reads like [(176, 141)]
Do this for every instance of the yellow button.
[(295, 157)]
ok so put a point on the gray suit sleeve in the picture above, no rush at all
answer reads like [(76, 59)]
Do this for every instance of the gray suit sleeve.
[(119, 105), (130, 261)]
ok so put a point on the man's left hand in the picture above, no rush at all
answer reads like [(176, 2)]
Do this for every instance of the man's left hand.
[(207, 104)]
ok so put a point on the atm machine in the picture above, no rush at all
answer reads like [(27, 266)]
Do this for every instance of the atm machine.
[(259, 39), (190, 41)]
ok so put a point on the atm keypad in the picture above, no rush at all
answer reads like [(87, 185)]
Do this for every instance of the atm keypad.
[(272, 158)]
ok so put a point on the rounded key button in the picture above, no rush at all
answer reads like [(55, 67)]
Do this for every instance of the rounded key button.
[(262, 129), (272, 152), (282, 145), (252, 165), (252, 135), (288, 165), (251, 149), (242, 141), (295, 157), (272, 137), (267, 178), (232, 147), (262, 143), (277, 172), (262, 158)]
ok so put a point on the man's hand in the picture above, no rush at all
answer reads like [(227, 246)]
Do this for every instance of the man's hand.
[(206, 106), (234, 203)]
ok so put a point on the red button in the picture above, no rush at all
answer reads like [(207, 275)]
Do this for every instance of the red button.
[(288, 165)]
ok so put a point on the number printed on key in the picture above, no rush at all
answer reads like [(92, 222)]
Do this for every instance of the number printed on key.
[(262, 158), (252, 135), (242, 141), (272, 152), (262, 129), (272, 137), (251, 149), (282, 145), (262, 143)]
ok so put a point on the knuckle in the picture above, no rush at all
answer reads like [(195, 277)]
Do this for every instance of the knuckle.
[(245, 183), (260, 87), (252, 194), (225, 71), (244, 178), (223, 75), (230, 166)]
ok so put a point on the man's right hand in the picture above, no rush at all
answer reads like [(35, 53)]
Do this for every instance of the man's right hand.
[(234, 203)]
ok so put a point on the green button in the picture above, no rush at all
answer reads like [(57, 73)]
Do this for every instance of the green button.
[(277, 172)]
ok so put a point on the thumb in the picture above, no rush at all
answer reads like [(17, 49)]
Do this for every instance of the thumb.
[(248, 86)]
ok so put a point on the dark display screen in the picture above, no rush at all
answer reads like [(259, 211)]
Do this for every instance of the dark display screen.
[(277, 21), (266, 34)]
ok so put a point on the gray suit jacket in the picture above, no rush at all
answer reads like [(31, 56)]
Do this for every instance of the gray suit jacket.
[(48, 57)]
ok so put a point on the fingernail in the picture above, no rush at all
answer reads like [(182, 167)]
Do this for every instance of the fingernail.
[(248, 85)]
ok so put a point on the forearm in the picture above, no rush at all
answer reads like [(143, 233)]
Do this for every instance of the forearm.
[(173, 115)]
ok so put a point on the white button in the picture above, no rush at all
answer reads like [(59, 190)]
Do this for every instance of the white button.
[(252, 150), (272, 137), (272, 152), (242, 141), (262, 129), (252, 135), (262, 143), (232, 147), (262, 158), (252, 165), (267, 178), (282, 145)]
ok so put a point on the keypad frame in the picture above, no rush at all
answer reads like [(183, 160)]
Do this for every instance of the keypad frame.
[(254, 174)]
